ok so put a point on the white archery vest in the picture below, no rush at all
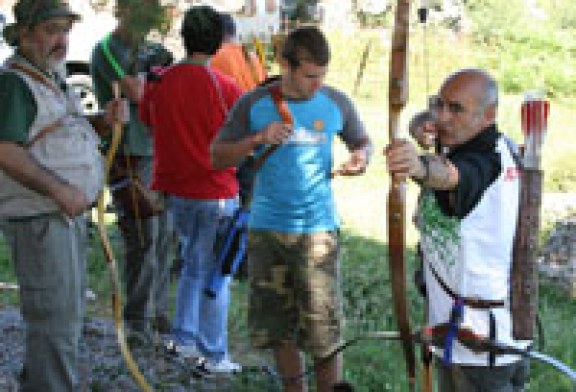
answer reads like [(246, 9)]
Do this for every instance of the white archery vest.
[(70, 150), (473, 257)]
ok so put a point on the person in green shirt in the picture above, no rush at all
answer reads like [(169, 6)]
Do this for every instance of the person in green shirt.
[(50, 173), (122, 56)]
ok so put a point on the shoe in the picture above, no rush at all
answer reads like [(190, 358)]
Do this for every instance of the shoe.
[(225, 366), (184, 351)]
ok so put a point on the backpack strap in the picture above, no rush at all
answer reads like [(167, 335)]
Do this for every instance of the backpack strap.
[(286, 116), (33, 74), (44, 131), (257, 162), (39, 77)]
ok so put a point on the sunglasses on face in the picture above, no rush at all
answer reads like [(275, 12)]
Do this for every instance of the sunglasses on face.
[(437, 104)]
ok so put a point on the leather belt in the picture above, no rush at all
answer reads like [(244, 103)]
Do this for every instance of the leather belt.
[(475, 303)]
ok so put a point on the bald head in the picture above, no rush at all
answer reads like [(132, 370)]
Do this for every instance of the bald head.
[(480, 83), (466, 105)]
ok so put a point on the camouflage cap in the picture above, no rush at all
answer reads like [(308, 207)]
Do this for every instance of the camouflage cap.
[(32, 12)]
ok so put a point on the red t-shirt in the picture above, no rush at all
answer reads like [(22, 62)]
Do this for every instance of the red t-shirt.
[(184, 110)]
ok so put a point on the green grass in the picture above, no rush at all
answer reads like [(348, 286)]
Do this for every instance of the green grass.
[(7, 297)]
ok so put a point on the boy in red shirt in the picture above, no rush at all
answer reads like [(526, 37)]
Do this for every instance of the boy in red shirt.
[(185, 108)]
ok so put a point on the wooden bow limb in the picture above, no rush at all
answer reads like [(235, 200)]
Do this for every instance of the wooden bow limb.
[(248, 58), (111, 261), (260, 51), (427, 368), (398, 95)]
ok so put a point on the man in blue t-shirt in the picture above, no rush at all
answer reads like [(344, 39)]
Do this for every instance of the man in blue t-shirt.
[(293, 251)]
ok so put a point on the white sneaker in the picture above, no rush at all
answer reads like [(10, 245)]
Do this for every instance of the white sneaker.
[(225, 366), (184, 351), (188, 352)]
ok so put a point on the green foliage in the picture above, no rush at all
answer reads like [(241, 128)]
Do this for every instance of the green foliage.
[(7, 275), (562, 13), (562, 176), (492, 19), (143, 16), (371, 21), (557, 315), (533, 47)]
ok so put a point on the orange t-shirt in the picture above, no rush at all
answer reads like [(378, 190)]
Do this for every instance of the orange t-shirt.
[(230, 60)]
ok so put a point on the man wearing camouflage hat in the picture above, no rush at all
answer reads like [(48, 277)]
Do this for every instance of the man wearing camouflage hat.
[(50, 173)]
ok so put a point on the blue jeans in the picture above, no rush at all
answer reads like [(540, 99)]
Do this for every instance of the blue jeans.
[(200, 320)]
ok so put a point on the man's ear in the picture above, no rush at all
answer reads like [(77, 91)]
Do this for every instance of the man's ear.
[(490, 115), (284, 64)]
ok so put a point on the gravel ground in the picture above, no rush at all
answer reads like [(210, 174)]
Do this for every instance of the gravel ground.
[(102, 367)]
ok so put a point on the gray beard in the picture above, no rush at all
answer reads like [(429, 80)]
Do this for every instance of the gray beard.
[(59, 68)]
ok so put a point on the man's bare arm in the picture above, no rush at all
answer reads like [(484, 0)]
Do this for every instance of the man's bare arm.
[(113, 112), (356, 164), (225, 154), (430, 171), (132, 88)]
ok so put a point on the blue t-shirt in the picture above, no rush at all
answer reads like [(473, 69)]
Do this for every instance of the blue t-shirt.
[(292, 190)]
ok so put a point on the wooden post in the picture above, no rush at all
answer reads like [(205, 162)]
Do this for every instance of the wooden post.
[(524, 275)]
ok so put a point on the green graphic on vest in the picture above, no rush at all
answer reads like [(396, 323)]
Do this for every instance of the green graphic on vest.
[(441, 232)]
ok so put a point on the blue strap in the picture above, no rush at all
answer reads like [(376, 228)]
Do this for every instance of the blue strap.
[(242, 227), (240, 252), (239, 223), (224, 267), (453, 325)]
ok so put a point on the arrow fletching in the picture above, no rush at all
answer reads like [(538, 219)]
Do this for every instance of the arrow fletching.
[(534, 115)]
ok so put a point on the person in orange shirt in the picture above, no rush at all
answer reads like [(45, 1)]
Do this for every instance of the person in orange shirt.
[(234, 60)]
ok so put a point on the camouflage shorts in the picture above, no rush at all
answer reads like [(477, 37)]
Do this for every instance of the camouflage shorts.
[(295, 290)]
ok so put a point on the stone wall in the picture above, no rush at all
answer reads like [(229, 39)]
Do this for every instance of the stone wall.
[(557, 263)]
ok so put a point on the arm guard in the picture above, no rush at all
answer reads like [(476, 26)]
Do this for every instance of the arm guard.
[(439, 173)]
